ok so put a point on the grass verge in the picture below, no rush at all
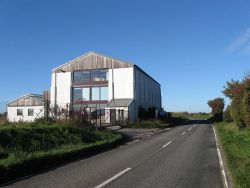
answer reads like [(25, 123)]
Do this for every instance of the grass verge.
[(158, 123), (236, 146), (152, 123), (30, 149)]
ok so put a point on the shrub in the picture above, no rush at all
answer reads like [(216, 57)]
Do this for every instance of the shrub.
[(151, 112), (245, 107), (217, 117), (227, 115), (236, 109), (44, 121)]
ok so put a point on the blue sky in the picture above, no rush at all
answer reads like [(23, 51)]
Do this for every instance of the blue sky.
[(191, 47)]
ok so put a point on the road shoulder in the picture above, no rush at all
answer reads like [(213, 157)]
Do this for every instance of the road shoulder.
[(223, 158)]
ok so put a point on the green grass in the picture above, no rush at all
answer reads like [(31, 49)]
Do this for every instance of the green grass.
[(152, 123), (30, 147), (158, 123), (236, 145)]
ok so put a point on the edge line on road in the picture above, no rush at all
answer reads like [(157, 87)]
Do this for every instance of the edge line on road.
[(167, 144), (113, 178), (220, 159)]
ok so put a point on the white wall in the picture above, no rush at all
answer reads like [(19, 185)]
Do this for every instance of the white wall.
[(123, 83), (62, 83), (12, 113)]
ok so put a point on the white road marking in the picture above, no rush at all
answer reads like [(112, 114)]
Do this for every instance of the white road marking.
[(220, 159), (183, 133), (194, 125), (167, 144), (190, 129), (113, 178)]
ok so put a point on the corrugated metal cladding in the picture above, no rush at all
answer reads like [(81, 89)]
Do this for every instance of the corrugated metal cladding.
[(28, 100), (147, 90), (92, 60)]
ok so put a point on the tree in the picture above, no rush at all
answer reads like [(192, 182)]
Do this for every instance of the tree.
[(234, 90), (233, 87), (217, 106)]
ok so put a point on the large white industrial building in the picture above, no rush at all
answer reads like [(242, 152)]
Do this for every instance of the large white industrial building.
[(102, 82), (99, 83)]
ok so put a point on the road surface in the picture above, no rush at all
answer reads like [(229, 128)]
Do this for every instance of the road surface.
[(185, 156)]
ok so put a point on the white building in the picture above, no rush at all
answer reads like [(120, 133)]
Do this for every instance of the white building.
[(26, 108), (102, 82)]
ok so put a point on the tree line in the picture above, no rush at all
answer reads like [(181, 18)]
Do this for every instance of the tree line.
[(238, 110)]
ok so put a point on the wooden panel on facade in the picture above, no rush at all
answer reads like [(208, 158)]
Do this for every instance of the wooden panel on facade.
[(25, 101), (92, 61)]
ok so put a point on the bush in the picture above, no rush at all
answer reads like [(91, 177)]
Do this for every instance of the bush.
[(217, 117), (236, 110), (28, 149), (151, 112), (28, 140), (144, 114), (227, 115), (44, 121), (245, 107)]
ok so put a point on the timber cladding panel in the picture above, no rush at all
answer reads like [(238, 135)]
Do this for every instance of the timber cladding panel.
[(26, 101), (92, 60)]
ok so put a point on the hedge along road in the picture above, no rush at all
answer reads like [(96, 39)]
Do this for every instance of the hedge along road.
[(185, 156)]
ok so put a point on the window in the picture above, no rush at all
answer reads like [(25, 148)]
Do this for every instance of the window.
[(19, 112), (99, 93), (99, 75), (81, 76), (85, 76), (77, 94), (95, 75), (103, 75), (30, 112), (104, 93), (85, 93), (95, 93), (82, 94)]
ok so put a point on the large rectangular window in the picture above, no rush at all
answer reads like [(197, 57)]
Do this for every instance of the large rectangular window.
[(86, 93), (82, 94), (95, 93), (19, 112), (99, 75), (99, 93), (81, 76), (104, 93), (77, 94), (103, 75)]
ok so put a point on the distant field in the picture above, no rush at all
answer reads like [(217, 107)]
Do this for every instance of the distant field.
[(191, 116), (236, 144)]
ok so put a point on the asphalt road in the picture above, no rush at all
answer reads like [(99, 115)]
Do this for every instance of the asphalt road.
[(184, 156)]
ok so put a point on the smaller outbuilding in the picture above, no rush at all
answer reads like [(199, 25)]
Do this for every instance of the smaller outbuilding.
[(26, 108)]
